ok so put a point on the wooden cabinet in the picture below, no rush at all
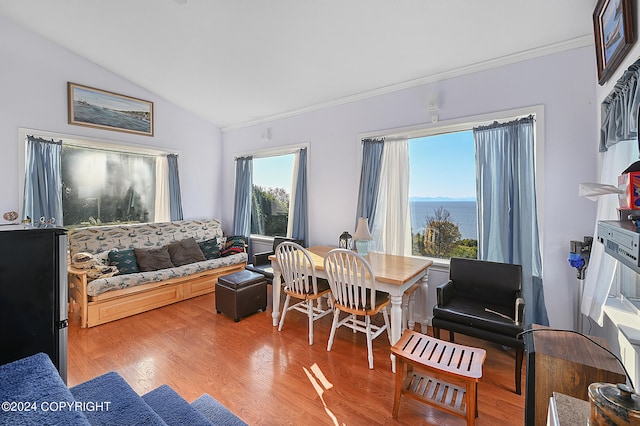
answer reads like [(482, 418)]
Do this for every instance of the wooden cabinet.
[(564, 362)]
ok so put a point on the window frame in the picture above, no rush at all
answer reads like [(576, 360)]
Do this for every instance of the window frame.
[(77, 140), (468, 123), (274, 152)]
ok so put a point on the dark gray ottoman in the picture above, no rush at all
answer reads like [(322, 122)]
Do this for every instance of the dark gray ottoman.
[(241, 293)]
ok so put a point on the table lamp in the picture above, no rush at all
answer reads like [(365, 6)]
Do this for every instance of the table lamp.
[(362, 236)]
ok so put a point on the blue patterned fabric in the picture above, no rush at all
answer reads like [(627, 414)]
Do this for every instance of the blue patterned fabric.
[(124, 260), (210, 248)]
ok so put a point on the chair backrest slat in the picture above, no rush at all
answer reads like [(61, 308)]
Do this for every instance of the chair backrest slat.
[(351, 279), (297, 268)]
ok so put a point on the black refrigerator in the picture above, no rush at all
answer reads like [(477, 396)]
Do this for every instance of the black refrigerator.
[(33, 294)]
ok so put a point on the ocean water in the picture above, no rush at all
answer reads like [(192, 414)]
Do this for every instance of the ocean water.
[(463, 214)]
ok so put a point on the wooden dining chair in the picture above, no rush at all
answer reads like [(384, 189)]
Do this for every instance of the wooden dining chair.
[(300, 282), (354, 292)]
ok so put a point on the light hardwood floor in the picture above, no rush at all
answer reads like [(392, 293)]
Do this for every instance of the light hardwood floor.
[(268, 377)]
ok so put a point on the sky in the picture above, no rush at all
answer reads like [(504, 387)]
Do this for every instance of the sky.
[(443, 166), (440, 166), (274, 172), (108, 101)]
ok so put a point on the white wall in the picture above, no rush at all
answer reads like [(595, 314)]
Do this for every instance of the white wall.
[(563, 82), (618, 314), (33, 94)]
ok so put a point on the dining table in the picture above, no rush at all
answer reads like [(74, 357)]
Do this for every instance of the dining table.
[(392, 273)]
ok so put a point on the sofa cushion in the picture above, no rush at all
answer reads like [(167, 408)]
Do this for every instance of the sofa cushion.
[(479, 315), (153, 259), (102, 285), (185, 251), (124, 260), (210, 248)]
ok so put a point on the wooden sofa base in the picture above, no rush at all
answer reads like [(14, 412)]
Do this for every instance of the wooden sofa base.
[(117, 304)]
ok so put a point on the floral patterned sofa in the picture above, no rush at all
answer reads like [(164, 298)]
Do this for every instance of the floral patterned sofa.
[(107, 299)]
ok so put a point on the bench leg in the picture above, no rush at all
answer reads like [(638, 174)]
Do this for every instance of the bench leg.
[(472, 402), (398, 390)]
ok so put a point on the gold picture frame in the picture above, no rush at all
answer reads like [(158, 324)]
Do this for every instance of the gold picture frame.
[(101, 109)]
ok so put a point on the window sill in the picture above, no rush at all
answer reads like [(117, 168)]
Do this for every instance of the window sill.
[(625, 317)]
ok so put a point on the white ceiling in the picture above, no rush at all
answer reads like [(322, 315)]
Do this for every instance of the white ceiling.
[(236, 62)]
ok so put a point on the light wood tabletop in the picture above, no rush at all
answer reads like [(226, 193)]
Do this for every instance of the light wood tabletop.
[(393, 274)]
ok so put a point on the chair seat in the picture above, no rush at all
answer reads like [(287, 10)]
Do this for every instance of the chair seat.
[(382, 299), (478, 315), (323, 288), (266, 270)]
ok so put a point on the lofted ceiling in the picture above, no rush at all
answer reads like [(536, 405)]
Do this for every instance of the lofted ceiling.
[(237, 62)]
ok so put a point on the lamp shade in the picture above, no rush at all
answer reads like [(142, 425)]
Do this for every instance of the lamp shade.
[(362, 230)]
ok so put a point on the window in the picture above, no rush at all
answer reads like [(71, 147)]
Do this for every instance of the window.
[(271, 195), (442, 181), (106, 182), (102, 186), (442, 195)]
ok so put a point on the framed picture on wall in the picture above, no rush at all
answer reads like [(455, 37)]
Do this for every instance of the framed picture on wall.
[(613, 32), (101, 109)]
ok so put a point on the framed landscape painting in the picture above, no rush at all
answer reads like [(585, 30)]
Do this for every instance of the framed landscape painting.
[(101, 109), (613, 32)]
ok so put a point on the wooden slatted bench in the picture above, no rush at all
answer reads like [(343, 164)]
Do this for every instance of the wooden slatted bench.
[(442, 374)]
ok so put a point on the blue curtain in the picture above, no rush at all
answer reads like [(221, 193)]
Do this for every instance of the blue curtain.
[(43, 181), (507, 221), (369, 178), (619, 120), (300, 224), (242, 201), (175, 199)]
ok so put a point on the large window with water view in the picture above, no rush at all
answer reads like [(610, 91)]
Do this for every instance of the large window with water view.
[(442, 195)]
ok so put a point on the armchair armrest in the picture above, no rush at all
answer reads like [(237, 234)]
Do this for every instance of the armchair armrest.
[(520, 306), (444, 293), (262, 258)]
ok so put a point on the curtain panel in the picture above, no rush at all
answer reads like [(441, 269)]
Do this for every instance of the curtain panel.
[(162, 210), (299, 216), (242, 199), (43, 181), (602, 267), (391, 228), (619, 110), (372, 150), (175, 198), (507, 220)]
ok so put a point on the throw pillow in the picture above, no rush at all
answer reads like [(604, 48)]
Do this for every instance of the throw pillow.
[(233, 245), (185, 251), (153, 259), (210, 248), (124, 260)]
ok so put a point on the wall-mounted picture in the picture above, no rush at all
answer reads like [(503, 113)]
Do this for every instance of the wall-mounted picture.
[(107, 110), (613, 31)]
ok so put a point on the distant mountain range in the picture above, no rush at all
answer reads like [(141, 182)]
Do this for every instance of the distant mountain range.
[(442, 199)]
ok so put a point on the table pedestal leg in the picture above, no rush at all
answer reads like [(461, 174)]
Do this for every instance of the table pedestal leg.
[(396, 325), (276, 294)]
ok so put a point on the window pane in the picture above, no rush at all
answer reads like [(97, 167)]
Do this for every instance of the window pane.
[(272, 181), (101, 187), (442, 195)]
